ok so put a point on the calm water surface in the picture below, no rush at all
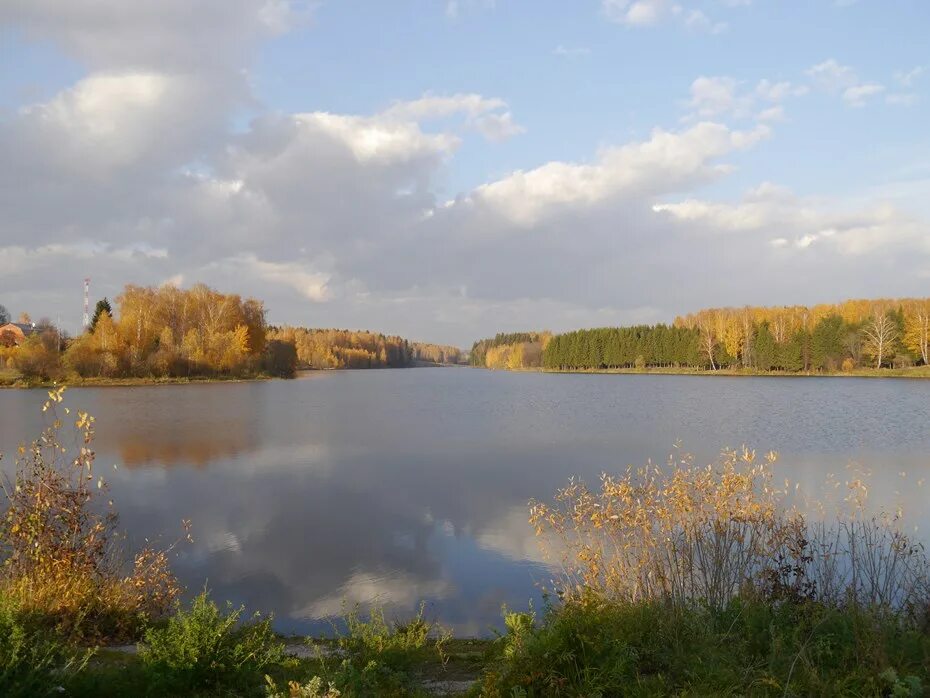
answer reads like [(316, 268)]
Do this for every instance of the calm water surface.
[(409, 485)]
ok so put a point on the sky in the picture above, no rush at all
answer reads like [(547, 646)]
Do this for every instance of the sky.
[(449, 169)]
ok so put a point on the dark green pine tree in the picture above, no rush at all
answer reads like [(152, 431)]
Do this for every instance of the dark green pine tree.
[(765, 348), (103, 306), (827, 343), (790, 355)]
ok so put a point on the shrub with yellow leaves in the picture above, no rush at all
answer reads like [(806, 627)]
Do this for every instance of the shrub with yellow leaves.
[(61, 563)]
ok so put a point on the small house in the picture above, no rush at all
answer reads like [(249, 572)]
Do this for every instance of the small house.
[(15, 333)]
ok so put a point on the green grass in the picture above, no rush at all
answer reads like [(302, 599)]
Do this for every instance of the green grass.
[(205, 651), (582, 648), (750, 648), (33, 660)]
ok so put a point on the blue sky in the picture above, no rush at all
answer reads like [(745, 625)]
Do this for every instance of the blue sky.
[(448, 170), (612, 82)]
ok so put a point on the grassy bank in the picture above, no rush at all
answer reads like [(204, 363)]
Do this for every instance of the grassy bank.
[(13, 379), (915, 372), (578, 647)]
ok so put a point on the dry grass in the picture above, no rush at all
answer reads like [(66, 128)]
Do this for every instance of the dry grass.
[(62, 562), (707, 535)]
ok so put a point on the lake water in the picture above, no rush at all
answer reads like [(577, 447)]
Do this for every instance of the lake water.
[(412, 484)]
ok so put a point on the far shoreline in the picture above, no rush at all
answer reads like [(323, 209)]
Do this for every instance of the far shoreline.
[(915, 373), (138, 382)]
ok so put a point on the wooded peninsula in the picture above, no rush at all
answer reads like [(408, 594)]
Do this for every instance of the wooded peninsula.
[(170, 334)]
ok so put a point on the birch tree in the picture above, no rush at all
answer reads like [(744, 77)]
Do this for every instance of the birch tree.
[(879, 335), (917, 328)]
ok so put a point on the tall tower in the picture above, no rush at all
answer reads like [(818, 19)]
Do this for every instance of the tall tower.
[(86, 303)]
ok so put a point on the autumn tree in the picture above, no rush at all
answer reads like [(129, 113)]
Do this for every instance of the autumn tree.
[(879, 335), (917, 328), (708, 331), (168, 331)]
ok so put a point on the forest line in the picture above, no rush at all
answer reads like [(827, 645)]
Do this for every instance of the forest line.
[(171, 333), (167, 333), (843, 337)]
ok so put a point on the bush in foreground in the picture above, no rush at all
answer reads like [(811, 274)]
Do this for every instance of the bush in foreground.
[(377, 657), (206, 648), (33, 661), (61, 563)]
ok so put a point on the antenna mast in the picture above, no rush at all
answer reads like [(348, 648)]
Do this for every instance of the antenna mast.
[(86, 303)]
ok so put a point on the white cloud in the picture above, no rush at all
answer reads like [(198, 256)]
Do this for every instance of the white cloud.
[(698, 21), (110, 120), (309, 283), (853, 230), (489, 116), (162, 34), (907, 78), (722, 96), (636, 12), (712, 96), (859, 95), (642, 13), (498, 127), (778, 91), (454, 8), (571, 52), (439, 106), (832, 76), (776, 113), (374, 138), (665, 162)]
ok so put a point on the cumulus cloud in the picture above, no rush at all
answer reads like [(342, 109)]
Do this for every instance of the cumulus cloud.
[(666, 161), (833, 76), (859, 95), (723, 96), (489, 116), (778, 91), (643, 13), (848, 230), (836, 78), (108, 120), (163, 34)]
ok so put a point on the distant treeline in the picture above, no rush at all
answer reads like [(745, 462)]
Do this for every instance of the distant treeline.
[(510, 350), (167, 332), (155, 332), (332, 348), (831, 337), (616, 347)]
